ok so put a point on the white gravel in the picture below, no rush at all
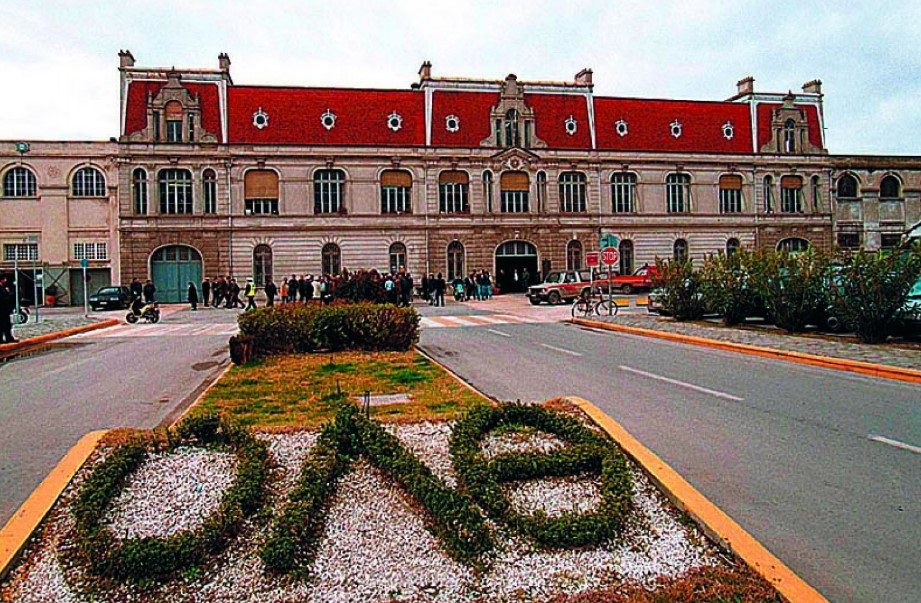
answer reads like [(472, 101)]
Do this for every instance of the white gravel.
[(375, 546), (171, 492), (555, 495), (515, 441)]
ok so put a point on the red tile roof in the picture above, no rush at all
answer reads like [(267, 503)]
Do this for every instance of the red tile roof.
[(649, 125), (294, 116), (552, 111), (136, 110), (472, 110), (765, 111)]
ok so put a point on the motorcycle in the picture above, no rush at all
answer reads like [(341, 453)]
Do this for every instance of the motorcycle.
[(149, 312), (22, 317)]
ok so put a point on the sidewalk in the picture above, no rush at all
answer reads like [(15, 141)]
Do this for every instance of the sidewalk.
[(901, 355), (53, 320)]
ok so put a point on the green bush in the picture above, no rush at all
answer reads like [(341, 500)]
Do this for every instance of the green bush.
[(680, 289), (870, 289), (792, 286), (587, 452), (725, 286), (289, 328), (146, 558)]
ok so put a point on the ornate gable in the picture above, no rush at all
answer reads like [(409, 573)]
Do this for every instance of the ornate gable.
[(512, 122), (789, 130), (173, 102)]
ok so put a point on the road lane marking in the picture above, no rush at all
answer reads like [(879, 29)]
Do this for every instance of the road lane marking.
[(684, 384), (894, 443), (562, 350), (495, 332)]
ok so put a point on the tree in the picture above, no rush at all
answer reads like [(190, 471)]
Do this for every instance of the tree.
[(725, 286), (680, 285), (791, 285)]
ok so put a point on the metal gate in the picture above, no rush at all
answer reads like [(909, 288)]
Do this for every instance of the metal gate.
[(172, 268)]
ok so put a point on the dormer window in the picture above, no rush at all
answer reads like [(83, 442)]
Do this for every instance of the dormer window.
[(789, 136), (510, 127), (173, 122)]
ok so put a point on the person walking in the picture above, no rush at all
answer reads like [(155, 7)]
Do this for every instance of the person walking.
[(149, 291), (7, 306), (193, 296), (270, 292), (440, 286), (206, 292), (283, 293), (250, 293), (233, 295)]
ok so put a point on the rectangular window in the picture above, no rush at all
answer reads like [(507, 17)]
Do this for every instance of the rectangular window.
[(623, 188), (210, 197), (791, 200), (515, 202), (175, 192), (174, 130), (572, 196), (327, 197), (498, 133), (191, 118), (91, 251), (156, 126), (730, 201), (262, 207), (452, 198), (677, 196), (22, 252), (395, 200), (527, 134), (849, 240), (890, 241)]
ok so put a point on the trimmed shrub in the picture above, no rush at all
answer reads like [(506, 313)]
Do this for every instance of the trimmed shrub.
[(725, 286), (146, 558), (680, 285), (290, 328), (792, 286), (587, 452)]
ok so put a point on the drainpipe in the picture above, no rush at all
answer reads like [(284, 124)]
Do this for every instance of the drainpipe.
[(425, 206), (229, 219)]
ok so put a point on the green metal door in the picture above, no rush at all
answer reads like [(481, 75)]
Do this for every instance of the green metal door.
[(171, 270)]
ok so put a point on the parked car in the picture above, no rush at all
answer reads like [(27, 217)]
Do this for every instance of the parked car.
[(110, 298), (560, 286), (909, 319), (640, 280), (654, 302)]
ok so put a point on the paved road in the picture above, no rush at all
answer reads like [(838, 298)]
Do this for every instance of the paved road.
[(783, 448), (125, 376)]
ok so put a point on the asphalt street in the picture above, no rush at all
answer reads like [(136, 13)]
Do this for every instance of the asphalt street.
[(125, 376), (805, 459)]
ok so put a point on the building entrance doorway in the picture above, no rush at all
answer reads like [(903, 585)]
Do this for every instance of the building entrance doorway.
[(171, 270), (515, 257)]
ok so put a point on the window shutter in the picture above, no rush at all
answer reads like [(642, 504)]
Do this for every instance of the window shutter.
[(455, 177), (261, 184), (173, 111), (791, 182), (396, 178), (731, 182), (515, 181)]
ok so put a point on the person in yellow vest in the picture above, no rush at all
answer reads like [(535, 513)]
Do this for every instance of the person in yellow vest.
[(250, 293)]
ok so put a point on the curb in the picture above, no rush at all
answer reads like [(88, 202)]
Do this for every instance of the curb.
[(20, 527), (714, 522), (12, 347), (840, 364), (201, 396)]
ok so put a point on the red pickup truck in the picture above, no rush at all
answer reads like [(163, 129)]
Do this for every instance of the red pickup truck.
[(641, 280)]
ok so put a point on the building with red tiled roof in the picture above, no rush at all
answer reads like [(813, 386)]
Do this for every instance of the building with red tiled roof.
[(453, 175)]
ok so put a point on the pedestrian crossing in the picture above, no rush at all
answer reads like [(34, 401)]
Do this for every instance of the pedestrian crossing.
[(161, 330), (479, 320)]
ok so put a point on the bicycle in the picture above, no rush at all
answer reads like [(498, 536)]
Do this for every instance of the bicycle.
[(587, 305)]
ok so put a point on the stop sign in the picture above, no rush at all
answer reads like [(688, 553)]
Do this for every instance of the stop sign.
[(609, 256)]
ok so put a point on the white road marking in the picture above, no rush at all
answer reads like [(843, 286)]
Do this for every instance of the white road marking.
[(562, 350), (495, 332), (682, 384), (894, 443)]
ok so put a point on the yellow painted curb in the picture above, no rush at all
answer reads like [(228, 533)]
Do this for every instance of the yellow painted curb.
[(714, 522), (840, 364), (11, 347), (26, 519)]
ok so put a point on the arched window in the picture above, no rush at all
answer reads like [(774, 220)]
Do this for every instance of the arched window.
[(541, 191), (209, 191), (262, 265), (455, 260), (175, 191), (730, 194), (890, 189), (626, 256), (791, 194), (332, 259), (173, 122), (139, 190), (847, 188), (19, 182), (487, 190), (680, 250), (623, 191), (453, 192), (793, 245), (88, 182), (397, 257), (512, 137), (678, 193), (572, 192), (768, 194), (789, 136), (328, 191), (260, 192), (574, 255), (732, 246), (396, 192), (515, 191)]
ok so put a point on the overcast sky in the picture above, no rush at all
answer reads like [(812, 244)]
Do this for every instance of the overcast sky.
[(58, 60)]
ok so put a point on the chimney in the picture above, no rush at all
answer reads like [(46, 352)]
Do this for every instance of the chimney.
[(746, 85), (813, 87), (425, 72), (584, 77), (125, 59), (223, 61)]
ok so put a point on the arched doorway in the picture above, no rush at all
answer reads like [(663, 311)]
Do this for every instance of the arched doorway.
[(512, 257), (171, 269)]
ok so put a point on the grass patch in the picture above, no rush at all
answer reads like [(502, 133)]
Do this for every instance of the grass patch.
[(302, 389)]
